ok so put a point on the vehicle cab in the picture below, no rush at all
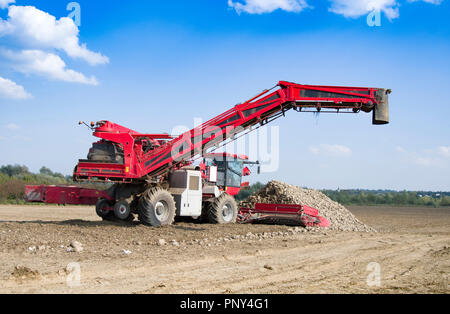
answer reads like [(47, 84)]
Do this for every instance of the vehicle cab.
[(230, 169)]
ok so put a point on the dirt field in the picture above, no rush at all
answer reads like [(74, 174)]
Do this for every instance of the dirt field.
[(411, 249)]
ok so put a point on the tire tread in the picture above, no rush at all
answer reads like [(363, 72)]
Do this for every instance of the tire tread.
[(146, 212)]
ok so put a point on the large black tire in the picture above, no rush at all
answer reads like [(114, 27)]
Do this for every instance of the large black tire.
[(205, 212), (223, 210), (101, 211), (157, 208), (106, 152), (122, 210)]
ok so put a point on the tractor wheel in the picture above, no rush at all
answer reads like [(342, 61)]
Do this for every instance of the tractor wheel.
[(205, 212), (157, 208), (223, 210), (100, 209), (122, 210)]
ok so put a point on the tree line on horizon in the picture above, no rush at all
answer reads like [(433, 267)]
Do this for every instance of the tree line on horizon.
[(373, 197), (399, 198), (13, 179)]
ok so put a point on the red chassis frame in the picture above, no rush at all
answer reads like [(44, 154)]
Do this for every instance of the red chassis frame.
[(302, 214), (62, 195), (169, 153)]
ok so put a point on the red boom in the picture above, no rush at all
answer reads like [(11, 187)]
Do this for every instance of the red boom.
[(162, 152)]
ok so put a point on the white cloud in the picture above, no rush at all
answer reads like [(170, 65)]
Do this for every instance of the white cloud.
[(427, 157), (38, 29), (427, 161), (38, 37), (444, 151), (5, 3), (347, 8), (267, 6), (428, 1), (12, 126), (357, 8), (48, 65), (11, 90), (327, 149)]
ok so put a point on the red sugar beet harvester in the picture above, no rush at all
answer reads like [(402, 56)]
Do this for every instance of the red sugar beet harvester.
[(154, 176)]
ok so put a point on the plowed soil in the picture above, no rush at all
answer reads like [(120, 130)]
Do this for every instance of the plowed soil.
[(411, 248)]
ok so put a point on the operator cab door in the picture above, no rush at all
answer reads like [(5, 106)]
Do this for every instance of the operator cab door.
[(186, 189), (194, 194), (229, 172)]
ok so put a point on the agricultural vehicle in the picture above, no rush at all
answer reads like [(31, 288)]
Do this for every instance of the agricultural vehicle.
[(156, 179)]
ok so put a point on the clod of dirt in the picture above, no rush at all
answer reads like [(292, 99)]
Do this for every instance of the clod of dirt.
[(276, 192), (22, 272), (442, 252), (161, 242), (76, 246)]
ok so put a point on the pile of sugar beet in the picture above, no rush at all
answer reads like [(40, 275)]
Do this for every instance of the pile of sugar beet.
[(276, 192)]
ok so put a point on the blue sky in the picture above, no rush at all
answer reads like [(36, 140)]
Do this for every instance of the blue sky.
[(153, 65)]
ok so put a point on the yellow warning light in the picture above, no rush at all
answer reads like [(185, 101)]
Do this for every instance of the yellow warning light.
[(127, 169)]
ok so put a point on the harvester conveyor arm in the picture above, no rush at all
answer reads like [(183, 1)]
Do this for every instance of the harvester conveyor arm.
[(257, 111)]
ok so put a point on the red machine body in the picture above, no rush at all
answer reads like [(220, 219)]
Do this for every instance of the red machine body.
[(296, 213), (152, 156), (62, 195)]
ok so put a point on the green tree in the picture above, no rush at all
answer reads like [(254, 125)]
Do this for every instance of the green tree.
[(244, 193), (14, 170), (46, 171), (445, 201)]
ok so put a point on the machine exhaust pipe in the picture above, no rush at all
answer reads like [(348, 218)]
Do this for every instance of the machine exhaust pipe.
[(380, 113)]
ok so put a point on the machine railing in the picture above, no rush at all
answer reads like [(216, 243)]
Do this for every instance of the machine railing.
[(261, 109)]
